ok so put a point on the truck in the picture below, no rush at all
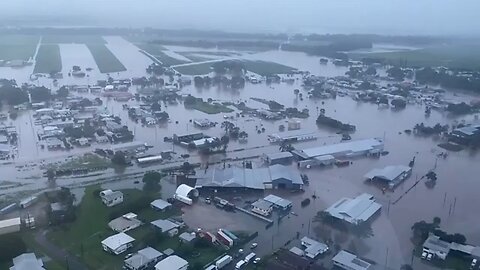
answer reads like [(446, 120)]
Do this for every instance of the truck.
[(240, 264), (224, 239), (249, 257), (222, 262)]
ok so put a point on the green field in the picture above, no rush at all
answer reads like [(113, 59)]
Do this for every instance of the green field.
[(79, 39), (106, 61), (17, 47), (90, 228), (195, 69), (48, 59), (157, 51), (265, 68), (453, 56)]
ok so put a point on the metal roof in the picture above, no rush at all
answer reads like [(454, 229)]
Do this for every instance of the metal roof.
[(433, 242), (171, 263), (160, 204), (9, 222), (249, 178), (313, 247), (261, 204), (354, 210), (117, 240), (351, 261), (389, 173), (279, 155), (143, 257), (278, 201), (341, 149), (123, 224), (184, 190), (164, 225)]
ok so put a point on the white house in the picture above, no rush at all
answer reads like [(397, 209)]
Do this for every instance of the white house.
[(313, 248), (172, 263), (118, 243), (111, 198)]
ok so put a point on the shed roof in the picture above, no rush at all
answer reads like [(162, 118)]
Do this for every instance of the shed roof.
[(160, 204)]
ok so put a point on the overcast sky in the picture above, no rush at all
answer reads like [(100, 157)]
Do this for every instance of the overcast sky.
[(414, 17)]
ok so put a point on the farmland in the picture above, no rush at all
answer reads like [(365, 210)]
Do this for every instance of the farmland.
[(48, 59), (17, 47), (106, 61)]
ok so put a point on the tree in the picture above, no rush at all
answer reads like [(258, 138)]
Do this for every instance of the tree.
[(371, 71), (396, 73), (119, 158), (62, 92), (399, 103), (151, 181), (40, 93), (296, 91), (156, 107), (227, 126), (406, 267), (362, 229)]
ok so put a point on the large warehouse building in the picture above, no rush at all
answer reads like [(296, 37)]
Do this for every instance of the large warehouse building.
[(272, 177)]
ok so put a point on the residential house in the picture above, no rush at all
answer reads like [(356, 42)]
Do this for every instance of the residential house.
[(118, 243), (143, 259), (111, 198)]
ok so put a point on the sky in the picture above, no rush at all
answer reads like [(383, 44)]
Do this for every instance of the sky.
[(393, 17)]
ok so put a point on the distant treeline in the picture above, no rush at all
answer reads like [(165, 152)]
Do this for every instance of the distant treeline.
[(449, 80), (334, 49)]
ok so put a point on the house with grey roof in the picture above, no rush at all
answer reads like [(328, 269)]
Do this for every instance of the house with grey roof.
[(144, 259), (262, 207)]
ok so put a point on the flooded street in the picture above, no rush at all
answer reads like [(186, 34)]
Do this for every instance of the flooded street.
[(453, 199)]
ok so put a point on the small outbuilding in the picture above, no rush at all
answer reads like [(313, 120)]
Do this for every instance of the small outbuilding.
[(160, 205)]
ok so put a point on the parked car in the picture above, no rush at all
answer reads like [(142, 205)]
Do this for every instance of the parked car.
[(257, 260), (429, 256), (254, 245), (424, 255)]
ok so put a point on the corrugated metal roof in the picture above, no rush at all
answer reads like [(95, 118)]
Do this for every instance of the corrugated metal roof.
[(354, 210), (340, 149)]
